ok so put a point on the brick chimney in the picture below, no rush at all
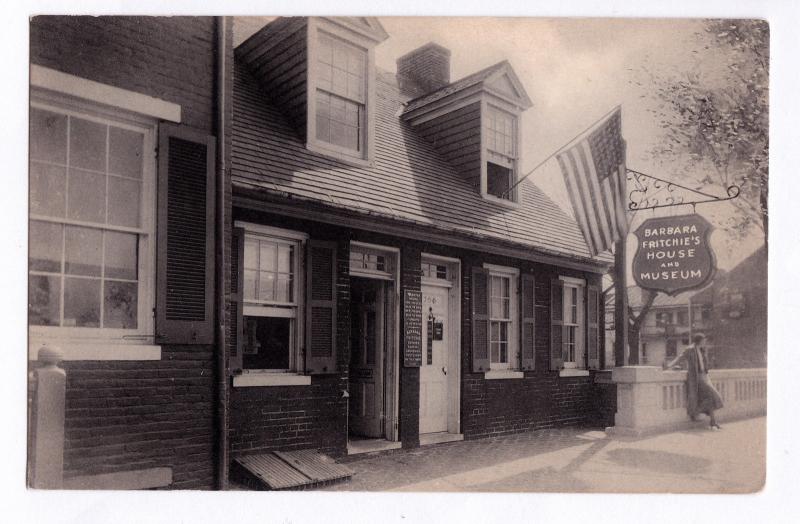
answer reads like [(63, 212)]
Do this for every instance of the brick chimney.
[(424, 69)]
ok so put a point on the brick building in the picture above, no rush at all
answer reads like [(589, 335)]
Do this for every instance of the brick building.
[(123, 165), (283, 247), (391, 285)]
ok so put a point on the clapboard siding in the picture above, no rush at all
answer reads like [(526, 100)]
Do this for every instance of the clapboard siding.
[(278, 57), (414, 177), (457, 136)]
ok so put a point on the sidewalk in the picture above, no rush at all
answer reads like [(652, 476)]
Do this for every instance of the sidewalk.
[(732, 460)]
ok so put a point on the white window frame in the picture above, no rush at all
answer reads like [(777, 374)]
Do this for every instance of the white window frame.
[(501, 369), (579, 363), (49, 93), (363, 157), (276, 309), (489, 105)]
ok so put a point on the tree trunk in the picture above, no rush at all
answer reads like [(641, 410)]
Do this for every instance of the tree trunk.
[(635, 323)]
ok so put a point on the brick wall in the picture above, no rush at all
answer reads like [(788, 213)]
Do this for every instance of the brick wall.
[(166, 57), (264, 419), (542, 398), (124, 416)]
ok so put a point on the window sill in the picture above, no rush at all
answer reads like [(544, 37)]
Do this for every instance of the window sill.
[(97, 350), (356, 161), (573, 373), (260, 379), (501, 374), (510, 204)]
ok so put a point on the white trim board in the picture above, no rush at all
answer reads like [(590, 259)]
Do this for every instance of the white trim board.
[(50, 79)]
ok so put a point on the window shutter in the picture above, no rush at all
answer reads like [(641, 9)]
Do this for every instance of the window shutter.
[(556, 324), (593, 323), (236, 323), (185, 241), (528, 321), (321, 307), (480, 320)]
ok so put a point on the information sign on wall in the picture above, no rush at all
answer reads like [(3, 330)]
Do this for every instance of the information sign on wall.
[(412, 321), (673, 254)]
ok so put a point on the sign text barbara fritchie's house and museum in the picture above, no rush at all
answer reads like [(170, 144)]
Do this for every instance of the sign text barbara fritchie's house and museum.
[(673, 254)]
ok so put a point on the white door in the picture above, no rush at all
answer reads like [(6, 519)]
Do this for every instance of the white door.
[(433, 392)]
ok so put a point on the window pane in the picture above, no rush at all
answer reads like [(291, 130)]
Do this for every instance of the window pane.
[(82, 302), (495, 352), (267, 343), (125, 156), (83, 251), (251, 254), (123, 201), (45, 246), (496, 308), (495, 331), (504, 332), (506, 308), (121, 255), (267, 258), (503, 353), (87, 196), (120, 303), (44, 305), (48, 191), (325, 50), (87, 144), (285, 259), (48, 136), (266, 286), (283, 289), (250, 284)]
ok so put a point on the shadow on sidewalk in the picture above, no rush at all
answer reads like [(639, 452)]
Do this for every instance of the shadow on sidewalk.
[(658, 461)]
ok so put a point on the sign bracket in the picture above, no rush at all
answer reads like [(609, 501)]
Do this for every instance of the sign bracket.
[(650, 192)]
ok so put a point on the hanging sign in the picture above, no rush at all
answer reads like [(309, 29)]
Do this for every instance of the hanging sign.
[(412, 320), (673, 254)]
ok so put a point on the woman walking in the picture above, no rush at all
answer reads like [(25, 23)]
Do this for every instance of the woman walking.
[(701, 396)]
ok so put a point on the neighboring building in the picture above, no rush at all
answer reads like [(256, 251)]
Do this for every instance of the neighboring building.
[(738, 319), (123, 120), (665, 328), (371, 208)]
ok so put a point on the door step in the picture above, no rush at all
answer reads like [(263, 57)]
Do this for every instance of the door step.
[(286, 470), (358, 446), (427, 439)]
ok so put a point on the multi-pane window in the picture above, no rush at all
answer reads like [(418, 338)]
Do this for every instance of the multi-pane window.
[(88, 230), (341, 93), (500, 318), (433, 270), (271, 302), (367, 260), (501, 145), (573, 326), (683, 318)]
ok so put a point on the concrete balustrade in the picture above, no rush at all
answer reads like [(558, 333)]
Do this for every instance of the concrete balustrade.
[(652, 400), (47, 421)]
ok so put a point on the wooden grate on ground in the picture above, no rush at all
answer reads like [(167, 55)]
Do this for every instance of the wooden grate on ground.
[(293, 469)]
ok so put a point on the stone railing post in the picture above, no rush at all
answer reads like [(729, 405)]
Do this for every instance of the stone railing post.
[(47, 421)]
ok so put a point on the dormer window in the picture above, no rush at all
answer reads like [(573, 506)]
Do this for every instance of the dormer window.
[(341, 94), (341, 87), (501, 153)]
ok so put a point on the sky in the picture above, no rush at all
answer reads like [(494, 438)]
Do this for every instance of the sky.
[(574, 70)]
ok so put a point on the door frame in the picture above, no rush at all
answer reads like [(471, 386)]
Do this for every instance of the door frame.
[(391, 371), (454, 336)]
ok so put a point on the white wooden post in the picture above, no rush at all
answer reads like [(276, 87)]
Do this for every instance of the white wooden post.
[(48, 421)]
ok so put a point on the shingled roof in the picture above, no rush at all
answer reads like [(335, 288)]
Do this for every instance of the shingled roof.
[(409, 180), (454, 87)]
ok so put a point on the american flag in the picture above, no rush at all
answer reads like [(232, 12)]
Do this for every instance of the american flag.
[(594, 172)]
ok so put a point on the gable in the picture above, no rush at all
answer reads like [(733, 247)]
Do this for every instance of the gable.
[(504, 85)]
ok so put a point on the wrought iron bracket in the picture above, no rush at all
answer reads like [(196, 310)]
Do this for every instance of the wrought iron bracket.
[(649, 192)]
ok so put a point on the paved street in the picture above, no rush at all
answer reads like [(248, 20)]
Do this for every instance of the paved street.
[(574, 460)]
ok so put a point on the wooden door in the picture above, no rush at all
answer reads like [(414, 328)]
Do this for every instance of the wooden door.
[(433, 391), (366, 362)]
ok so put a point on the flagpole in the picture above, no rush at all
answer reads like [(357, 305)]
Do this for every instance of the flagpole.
[(557, 151)]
